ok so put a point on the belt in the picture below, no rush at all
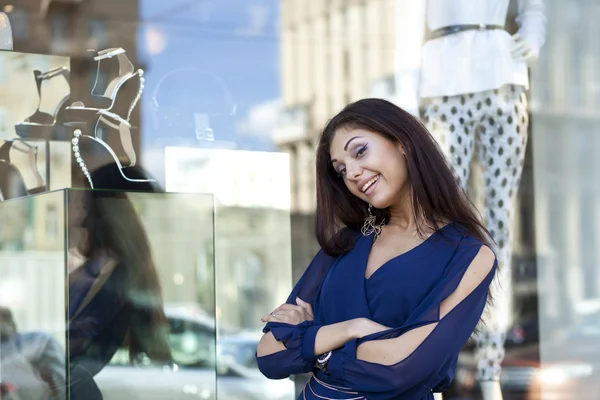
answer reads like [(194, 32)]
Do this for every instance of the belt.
[(452, 29)]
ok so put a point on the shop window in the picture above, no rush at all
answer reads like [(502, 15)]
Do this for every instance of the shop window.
[(97, 33), (3, 122), (51, 222), (59, 32), (18, 24)]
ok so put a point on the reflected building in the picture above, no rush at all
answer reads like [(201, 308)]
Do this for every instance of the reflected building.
[(566, 123), (332, 53), (252, 225)]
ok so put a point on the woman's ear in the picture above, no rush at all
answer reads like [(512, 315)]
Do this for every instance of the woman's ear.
[(401, 149)]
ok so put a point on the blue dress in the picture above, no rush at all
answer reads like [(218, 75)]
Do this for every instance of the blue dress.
[(404, 293)]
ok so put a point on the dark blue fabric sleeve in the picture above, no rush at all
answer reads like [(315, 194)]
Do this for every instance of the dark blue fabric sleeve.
[(430, 363), (299, 340)]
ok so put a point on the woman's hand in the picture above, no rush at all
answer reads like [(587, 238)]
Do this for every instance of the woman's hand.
[(291, 314), (361, 327)]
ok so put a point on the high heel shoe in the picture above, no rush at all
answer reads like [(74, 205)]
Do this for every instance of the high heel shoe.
[(42, 125), (106, 115), (115, 121), (106, 101), (12, 183), (77, 136)]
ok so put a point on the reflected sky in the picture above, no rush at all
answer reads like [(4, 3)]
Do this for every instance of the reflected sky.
[(236, 40)]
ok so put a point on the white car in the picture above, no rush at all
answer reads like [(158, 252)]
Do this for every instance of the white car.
[(194, 375)]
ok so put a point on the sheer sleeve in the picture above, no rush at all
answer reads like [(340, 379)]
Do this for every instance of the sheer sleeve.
[(431, 341), (299, 340)]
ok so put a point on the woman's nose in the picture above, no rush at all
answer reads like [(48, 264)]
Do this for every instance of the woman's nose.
[(353, 171)]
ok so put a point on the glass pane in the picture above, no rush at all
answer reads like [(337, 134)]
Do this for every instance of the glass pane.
[(224, 100), (253, 253), (566, 121), (34, 89), (141, 295), (33, 353)]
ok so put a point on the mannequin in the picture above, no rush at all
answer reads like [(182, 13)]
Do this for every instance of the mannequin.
[(473, 83), (6, 39)]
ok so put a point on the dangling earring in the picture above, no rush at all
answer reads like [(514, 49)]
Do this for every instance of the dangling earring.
[(371, 226)]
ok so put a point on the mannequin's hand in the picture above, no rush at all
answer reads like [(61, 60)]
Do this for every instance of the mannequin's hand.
[(522, 50)]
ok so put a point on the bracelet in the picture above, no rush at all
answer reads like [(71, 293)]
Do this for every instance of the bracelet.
[(322, 362)]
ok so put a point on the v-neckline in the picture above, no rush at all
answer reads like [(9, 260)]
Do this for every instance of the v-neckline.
[(407, 254)]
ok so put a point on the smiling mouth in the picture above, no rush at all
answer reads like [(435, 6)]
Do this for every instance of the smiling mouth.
[(367, 185)]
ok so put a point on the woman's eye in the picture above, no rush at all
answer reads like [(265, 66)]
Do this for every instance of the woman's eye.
[(361, 151), (342, 172)]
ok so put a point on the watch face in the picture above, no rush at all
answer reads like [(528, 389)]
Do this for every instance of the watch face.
[(323, 359)]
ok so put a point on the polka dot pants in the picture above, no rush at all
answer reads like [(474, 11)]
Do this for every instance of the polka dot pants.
[(495, 123)]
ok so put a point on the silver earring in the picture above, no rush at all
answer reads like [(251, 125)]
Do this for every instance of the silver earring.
[(371, 226)]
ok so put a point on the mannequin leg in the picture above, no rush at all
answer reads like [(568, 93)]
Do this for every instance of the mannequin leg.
[(502, 138), (452, 126), (450, 122), (498, 121)]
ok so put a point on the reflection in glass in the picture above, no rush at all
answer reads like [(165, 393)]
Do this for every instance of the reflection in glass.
[(12, 182), (42, 123), (252, 253), (204, 120), (32, 297), (114, 295), (6, 36), (566, 122), (141, 325)]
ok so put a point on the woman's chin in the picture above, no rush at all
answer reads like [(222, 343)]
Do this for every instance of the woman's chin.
[(378, 203)]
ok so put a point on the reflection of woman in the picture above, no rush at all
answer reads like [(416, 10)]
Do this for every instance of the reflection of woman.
[(387, 304), (114, 297)]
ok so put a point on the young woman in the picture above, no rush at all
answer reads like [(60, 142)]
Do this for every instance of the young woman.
[(402, 279)]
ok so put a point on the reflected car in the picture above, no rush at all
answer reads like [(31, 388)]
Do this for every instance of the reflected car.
[(194, 374), (570, 368), (240, 346)]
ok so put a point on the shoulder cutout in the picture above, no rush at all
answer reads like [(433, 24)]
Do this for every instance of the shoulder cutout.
[(478, 270)]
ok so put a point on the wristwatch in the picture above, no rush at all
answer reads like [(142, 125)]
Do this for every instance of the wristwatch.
[(322, 362)]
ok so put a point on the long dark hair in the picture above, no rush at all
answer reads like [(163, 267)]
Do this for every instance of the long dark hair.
[(114, 227), (436, 195)]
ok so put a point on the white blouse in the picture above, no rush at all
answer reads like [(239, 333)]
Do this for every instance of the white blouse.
[(477, 60)]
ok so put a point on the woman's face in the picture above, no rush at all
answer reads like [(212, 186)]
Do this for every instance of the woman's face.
[(372, 167)]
